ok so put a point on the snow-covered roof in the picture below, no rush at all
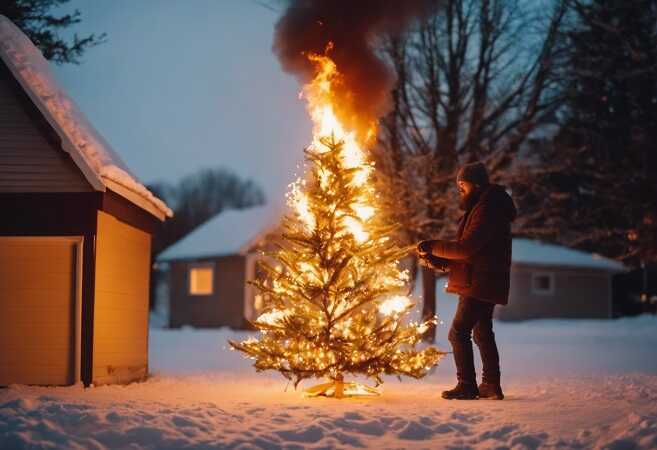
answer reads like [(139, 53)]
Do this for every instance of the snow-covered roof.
[(230, 232), (528, 251), (99, 163)]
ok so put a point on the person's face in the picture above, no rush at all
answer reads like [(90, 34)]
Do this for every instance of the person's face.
[(465, 188)]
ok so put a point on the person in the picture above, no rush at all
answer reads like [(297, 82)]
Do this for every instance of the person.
[(478, 262)]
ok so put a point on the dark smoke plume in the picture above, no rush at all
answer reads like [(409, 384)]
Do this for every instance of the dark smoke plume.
[(309, 25)]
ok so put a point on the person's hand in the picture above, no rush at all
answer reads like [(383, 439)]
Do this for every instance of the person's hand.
[(435, 263), (424, 248)]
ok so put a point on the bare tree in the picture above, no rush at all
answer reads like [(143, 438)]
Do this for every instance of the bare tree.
[(473, 82), (592, 185), (199, 197)]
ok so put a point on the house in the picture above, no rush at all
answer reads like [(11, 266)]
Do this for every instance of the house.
[(551, 281), (75, 236), (635, 292), (208, 268)]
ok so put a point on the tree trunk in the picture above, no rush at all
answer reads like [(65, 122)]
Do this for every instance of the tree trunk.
[(429, 305)]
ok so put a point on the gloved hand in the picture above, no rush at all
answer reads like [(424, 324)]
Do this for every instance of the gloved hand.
[(435, 263), (424, 248)]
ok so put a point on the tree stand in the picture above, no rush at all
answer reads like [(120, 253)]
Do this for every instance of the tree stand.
[(337, 388)]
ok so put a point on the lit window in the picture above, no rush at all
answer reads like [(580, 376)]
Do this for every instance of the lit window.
[(201, 280), (543, 283)]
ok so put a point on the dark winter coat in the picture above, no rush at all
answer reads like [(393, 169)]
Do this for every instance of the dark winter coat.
[(480, 258)]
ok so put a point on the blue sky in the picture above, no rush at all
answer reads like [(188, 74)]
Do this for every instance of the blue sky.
[(181, 85)]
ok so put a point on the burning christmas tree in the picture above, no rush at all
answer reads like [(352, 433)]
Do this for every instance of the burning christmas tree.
[(333, 291)]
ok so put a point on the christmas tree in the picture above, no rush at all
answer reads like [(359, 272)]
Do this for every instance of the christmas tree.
[(333, 290)]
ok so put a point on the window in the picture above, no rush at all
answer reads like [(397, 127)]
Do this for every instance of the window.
[(543, 283), (201, 280)]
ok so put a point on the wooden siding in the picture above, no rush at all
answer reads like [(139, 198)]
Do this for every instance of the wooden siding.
[(578, 294), (120, 336), (30, 159), (224, 307), (37, 310)]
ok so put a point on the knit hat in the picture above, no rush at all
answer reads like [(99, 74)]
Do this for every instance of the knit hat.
[(475, 173)]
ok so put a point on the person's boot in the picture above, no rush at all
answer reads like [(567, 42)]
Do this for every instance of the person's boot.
[(490, 391), (462, 391)]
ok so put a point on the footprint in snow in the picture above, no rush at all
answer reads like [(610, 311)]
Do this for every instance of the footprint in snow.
[(368, 427), (470, 418), (281, 418), (428, 421), (309, 435), (415, 431), (353, 415), (181, 421), (113, 417), (346, 439), (500, 434), (529, 441)]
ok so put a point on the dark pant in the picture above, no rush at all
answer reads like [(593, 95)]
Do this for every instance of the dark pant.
[(476, 316)]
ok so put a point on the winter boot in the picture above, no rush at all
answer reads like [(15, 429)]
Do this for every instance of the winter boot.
[(462, 391), (490, 391)]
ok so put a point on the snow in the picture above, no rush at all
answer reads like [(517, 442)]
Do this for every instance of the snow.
[(229, 232), (95, 157), (569, 384), (528, 251)]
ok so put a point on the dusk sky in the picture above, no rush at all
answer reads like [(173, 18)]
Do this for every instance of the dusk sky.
[(183, 85)]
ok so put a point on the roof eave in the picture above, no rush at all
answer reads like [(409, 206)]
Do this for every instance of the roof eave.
[(258, 237), (135, 198), (568, 266)]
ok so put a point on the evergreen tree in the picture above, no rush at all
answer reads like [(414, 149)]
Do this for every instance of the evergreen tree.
[(35, 19), (594, 186), (334, 298)]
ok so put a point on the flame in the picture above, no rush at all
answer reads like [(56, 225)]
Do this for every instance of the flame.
[(299, 201), (394, 305), (320, 95), (272, 317), (363, 212)]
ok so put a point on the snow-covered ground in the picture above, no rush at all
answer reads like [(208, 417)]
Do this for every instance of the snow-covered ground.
[(569, 384)]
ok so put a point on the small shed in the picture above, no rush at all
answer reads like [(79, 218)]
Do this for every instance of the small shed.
[(552, 281), (75, 236), (208, 269)]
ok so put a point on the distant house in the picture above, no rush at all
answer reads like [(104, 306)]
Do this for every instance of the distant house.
[(550, 281), (635, 292), (209, 267), (75, 236)]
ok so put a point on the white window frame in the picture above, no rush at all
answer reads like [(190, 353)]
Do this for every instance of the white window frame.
[(550, 276), (190, 268)]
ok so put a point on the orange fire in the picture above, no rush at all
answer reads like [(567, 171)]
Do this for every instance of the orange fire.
[(320, 95)]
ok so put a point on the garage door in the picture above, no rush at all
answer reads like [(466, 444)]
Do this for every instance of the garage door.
[(38, 310)]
